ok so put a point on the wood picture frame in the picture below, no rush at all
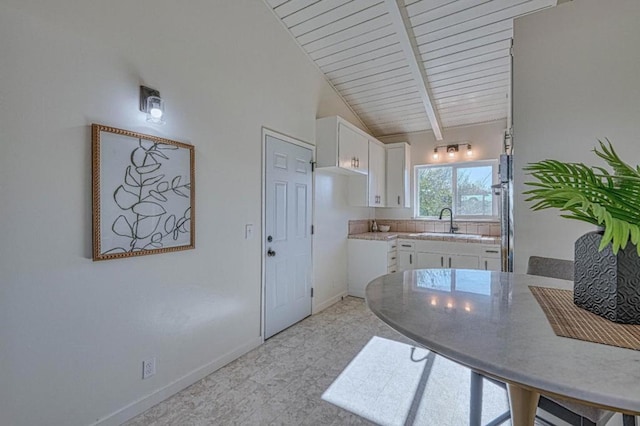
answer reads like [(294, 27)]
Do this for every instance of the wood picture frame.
[(143, 194)]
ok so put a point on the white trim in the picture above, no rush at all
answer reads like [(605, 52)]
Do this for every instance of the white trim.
[(327, 303), (402, 25), (263, 248), (458, 164), (141, 405)]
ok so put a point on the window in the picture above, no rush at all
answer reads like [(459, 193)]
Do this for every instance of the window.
[(465, 188)]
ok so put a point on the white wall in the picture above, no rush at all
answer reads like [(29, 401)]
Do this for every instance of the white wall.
[(73, 332), (575, 81), (486, 139)]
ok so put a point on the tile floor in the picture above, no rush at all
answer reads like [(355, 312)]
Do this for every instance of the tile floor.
[(282, 381)]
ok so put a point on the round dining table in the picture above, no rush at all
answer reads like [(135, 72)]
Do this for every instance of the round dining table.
[(491, 323)]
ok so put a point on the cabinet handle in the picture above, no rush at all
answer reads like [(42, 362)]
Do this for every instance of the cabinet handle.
[(442, 261), (491, 251), (449, 262), (406, 245), (393, 258), (410, 259), (398, 200), (486, 266), (357, 163), (393, 247)]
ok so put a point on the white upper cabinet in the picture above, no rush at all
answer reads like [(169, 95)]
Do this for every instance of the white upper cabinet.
[(377, 172), (341, 146), (398, 177)]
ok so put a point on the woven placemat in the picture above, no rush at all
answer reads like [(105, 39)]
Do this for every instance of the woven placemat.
[(568, 320)]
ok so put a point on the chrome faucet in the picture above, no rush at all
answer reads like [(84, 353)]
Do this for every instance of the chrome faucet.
[(452, 229)]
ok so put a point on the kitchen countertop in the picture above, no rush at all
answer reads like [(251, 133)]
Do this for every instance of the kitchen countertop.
[(430, 236)]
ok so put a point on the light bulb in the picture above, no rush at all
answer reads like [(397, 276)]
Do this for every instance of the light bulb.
[(469, 151), (155, 112), (452, 154), (435, 155)]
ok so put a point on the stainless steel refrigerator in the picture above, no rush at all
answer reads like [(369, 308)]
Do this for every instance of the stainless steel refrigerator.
[(504, 189)]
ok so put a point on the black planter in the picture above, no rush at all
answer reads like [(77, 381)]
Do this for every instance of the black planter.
[(607, 284)]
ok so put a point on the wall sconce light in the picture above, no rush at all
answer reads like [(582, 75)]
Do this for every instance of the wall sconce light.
[(152, 104), (452, 150)]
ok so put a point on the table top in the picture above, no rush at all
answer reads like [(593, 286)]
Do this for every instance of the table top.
[(491, 323)]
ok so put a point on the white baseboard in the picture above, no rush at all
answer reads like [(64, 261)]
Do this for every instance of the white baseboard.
[(141, 405), (324, 305)]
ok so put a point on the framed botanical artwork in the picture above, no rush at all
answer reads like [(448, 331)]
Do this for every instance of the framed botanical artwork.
[(143, 194)]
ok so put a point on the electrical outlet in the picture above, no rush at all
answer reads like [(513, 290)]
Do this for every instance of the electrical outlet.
[(148, 367), (248, 231)]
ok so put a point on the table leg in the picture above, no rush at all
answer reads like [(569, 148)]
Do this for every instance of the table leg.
[(523, 403), (475, 409)]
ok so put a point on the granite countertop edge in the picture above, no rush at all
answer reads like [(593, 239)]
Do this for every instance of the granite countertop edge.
[(388, 236)]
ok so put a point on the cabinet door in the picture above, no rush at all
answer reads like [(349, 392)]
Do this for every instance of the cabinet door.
[(464, 261), (431, 260), (491, 264), (376, 183), (406, 260), (351, 146), (397, 176), (381, 180)]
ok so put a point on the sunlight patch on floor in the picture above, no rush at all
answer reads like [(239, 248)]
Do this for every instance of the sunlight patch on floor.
[(392, 383)]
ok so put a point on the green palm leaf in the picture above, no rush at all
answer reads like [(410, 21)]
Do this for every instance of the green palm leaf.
[(591, 194)]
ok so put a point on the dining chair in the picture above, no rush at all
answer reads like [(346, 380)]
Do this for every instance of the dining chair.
[(571, 412)]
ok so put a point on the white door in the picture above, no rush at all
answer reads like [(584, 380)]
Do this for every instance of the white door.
[(287, 234)]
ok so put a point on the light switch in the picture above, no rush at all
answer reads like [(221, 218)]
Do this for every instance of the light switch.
[(248, 231)]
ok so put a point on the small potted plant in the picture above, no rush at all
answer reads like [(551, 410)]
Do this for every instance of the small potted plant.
[(607, 261)]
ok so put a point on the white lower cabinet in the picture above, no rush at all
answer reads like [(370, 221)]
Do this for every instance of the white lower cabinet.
[(369, 259), (406, 255), (446, 260), (464, 261), (490, 260), (444, 254), (424, 259)]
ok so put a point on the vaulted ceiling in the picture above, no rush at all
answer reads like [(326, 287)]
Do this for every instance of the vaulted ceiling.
[(406, 65)]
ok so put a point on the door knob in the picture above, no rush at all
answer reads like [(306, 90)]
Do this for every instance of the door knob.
[(271, 253)]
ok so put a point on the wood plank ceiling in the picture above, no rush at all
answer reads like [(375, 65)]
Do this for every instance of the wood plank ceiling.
[(461, 46)]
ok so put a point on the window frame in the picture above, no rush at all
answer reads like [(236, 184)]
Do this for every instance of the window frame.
[(454, 166)]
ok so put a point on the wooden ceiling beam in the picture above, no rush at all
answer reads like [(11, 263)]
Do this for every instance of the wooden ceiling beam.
[(402, 25)]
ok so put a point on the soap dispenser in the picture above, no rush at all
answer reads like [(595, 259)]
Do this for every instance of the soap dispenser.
[(374, 227)]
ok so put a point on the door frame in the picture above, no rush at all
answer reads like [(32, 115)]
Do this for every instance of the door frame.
[(263, 235)]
